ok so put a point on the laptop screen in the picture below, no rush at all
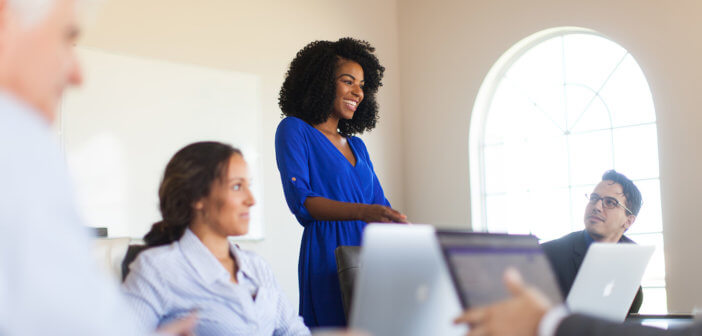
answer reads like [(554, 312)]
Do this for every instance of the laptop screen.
[(477, 262)]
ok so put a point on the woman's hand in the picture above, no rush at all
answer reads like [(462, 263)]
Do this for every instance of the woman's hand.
[(376, 213)]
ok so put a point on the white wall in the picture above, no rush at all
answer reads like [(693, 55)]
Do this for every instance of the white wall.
[(261, 38), (120, 129), (448, 46)]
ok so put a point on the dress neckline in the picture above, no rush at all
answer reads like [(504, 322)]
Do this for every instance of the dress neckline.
[(348, 141)]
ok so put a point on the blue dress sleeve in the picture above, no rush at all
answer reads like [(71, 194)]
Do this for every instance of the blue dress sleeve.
[(378, 193), (292, 156)]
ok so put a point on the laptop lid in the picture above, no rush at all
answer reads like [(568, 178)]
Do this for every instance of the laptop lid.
[(403, 286), (477, 262), (608, 280)]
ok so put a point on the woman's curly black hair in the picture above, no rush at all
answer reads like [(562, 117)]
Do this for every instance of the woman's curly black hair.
[(309, 88)]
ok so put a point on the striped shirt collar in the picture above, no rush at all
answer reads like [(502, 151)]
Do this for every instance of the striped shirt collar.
[(205, 263)]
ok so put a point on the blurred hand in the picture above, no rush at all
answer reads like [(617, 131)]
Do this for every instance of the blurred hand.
[(376, 213), (518, 316), (179, 327)]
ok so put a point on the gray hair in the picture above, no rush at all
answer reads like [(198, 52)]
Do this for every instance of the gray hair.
[(32, 11)]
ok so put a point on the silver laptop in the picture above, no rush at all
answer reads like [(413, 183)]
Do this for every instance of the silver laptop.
[(403, 286), (608, 280)]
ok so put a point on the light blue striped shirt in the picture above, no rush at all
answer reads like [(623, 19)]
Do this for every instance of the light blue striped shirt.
[(167, 282)]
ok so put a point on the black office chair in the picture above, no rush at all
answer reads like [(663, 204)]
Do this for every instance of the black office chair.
[(347, 263), (132, 252)]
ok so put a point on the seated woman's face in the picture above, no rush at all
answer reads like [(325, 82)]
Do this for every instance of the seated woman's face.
[(226, 208), (349, 89)]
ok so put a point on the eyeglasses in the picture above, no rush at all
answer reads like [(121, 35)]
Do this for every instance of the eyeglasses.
[(607, 202)]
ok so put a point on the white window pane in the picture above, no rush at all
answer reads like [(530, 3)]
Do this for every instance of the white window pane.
[(578, 205), (519, 209), (513, 114), (586, 110), (516, 179), (655, 301), (535, 74), (495, 176), (535, 163), (636, 151), (628, 96), (590, 156), (541, 64), (590, 59), (655, 272), (544, 163), (505, 102), (496, 214), (547, 109), (554, 202), (649, 219), (518, 116)]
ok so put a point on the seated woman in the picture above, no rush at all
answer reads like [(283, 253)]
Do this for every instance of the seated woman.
[(204, 198)]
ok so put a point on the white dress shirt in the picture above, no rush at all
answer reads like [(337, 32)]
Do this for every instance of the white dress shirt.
[(169, 281), (49, 282), (552, 319)]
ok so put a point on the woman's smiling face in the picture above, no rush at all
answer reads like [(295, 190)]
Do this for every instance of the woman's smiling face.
[(349, 89)]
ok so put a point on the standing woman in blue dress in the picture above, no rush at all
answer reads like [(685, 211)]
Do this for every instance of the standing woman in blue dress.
[(330, 186)]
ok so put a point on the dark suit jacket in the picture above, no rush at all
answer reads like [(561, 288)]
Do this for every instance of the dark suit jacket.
[(580, 325), (566, 254)]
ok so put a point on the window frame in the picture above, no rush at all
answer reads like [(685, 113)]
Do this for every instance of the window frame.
[(480, 110), (479, 118)]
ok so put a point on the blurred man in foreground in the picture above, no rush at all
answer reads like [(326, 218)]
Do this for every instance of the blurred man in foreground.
[(49, 284)]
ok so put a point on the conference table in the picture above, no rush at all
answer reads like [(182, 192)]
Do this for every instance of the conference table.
[(663, 321)]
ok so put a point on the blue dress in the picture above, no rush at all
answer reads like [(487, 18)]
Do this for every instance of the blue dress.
[(310, 165)]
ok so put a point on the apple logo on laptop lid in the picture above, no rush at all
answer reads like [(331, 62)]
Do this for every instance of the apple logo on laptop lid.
[(608, 289)]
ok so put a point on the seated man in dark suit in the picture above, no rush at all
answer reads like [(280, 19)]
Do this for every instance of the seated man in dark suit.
[(612, 208)]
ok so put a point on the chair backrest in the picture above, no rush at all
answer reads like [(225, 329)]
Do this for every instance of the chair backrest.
[(132, 252), (347, 262), (108, 253)]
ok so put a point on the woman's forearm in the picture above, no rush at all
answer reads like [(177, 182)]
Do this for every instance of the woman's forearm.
[(321, 208), (329, 210)]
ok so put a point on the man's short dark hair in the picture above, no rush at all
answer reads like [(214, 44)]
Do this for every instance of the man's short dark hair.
[(629, 189)]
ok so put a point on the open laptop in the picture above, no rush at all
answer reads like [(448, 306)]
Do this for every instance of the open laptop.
[(477, 262), (403, 286), (608, 280)]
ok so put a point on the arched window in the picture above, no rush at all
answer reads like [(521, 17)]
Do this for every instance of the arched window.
[(555, 112)]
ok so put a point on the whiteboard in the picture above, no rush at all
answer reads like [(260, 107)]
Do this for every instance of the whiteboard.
[(131, 115)]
